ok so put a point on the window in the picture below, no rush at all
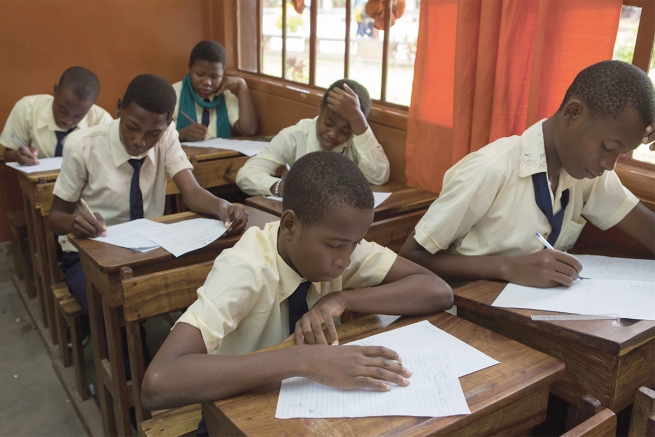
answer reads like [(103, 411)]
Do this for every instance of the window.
[(320, 41), (634, 43)]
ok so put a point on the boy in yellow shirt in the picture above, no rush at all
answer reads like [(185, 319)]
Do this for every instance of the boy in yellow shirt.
[(292, 278)]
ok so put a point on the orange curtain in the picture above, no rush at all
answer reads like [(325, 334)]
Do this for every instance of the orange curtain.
[(487, 69)]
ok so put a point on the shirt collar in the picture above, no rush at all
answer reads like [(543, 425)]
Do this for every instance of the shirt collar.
[(533, 156), (118, 152), (289, 279)]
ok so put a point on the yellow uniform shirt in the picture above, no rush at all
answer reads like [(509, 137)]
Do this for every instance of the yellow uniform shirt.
[(243, 307), (96, 168), (487, 205), (256, 176), (231, 102), (31, 120)]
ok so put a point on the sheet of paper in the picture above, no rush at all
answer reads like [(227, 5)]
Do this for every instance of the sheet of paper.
[(628, 299), (45, 164), (127, 235), (378, 198), (605, 267), (186, 236), (246, 147), (434, 391)]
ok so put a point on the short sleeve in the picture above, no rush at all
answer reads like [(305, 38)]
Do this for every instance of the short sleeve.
[(224, 300), (18, 124), (468, 192), (369, 265), (176, 159), (608, 202), (232, 103), (73, 175)]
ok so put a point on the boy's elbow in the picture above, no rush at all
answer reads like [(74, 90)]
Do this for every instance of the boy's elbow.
[(153, 392)]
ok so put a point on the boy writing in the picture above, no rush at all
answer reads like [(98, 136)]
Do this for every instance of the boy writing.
[(495, 200), (209, 103), (340, 127), (119, 169), (37, 125), (293, 277)]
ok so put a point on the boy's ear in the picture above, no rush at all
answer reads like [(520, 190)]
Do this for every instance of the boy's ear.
[(55, 88), (573, 110), (289, 224), (119, 107)]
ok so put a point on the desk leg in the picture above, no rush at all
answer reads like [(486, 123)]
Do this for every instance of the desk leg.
[(29, 273), (33, 224), (46, 280), (96, 321)]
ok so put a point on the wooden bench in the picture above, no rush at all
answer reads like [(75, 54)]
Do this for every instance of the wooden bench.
[(149, 296)]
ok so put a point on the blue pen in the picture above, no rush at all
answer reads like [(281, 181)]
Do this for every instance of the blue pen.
[(547, 244)]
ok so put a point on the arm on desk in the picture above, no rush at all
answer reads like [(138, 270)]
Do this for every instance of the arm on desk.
[(23, 155), (247, 123), (63, 220), (546, 268), (640, 225), (199, 200), (407, 290), (182, 372)]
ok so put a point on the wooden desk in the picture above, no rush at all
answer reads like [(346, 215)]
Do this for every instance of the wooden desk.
[(604, 359), (394, 219), (102, 264), (36, 189), (505, 399)]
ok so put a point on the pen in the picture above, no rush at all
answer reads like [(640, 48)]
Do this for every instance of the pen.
[(548, 246), (189, 118), (19, 143), (86, 207)]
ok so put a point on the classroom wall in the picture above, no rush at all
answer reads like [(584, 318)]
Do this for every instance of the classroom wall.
[(116, 39)]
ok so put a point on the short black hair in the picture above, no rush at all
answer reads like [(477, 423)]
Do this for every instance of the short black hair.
[(322, 181), (360, 90), (84, 83), (608, 87), (210, 51), (152, 93)]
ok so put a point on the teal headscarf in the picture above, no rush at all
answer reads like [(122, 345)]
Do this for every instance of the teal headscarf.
[(187, 99)]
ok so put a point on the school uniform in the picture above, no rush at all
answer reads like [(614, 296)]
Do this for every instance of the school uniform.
[(256, 176), (243, 305), (97, 168), (488, 203), (32, 122), (231, 102)]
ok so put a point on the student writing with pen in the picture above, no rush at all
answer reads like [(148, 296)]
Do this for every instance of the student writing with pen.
[(119, 169), (550, 180)]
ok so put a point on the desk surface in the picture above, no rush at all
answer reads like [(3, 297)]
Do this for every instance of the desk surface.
[(403, 200), (604, 335), (492, 395), (110, 258)]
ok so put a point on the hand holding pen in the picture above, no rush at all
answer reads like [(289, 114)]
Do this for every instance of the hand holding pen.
[(549, 246), (193, 132), (88, 224), (25, 155)]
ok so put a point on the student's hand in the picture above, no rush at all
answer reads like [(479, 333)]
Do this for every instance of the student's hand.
[(193, 132), (231, 83), (27, 156), (88, 225), (235, 217), (546, 268), (649, 136), (346, 103), (309, 329), (352, 367)]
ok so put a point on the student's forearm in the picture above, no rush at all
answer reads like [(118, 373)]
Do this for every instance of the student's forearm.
[(202, 202), (10, 155), (247, 122), (202, 378), (60, 223), (412, 295)]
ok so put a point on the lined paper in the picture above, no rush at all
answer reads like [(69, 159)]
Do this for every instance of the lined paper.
[(186, 236), (245, 147), (605, 267), (45, 164)]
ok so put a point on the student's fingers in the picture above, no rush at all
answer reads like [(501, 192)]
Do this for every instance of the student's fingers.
[(332, 330), (26, 157), (238, 218), (34, 152), (388, 370), (101, 222), (381, 352), (649, 136), (298, 338), (570, 261), (84, 225), (305, 327), (317, 320), (350, 91)]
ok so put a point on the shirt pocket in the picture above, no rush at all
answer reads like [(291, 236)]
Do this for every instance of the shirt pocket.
[(570, 235)]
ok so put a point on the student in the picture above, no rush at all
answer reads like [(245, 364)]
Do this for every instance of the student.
[(119, 169), (495, 200), (218, 104), (293, 277), (340, 127), (37, 125)]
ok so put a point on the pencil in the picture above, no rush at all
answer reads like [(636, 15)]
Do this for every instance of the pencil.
[(189, 118), (86, 207)]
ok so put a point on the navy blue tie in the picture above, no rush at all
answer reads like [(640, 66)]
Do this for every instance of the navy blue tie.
[(542, 197), (205, 115), (136, 198), (298, 305), (60, 137)]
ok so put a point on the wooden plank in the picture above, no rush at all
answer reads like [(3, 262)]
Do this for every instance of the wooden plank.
[(175, 422), (644, 407), (602, 424)]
